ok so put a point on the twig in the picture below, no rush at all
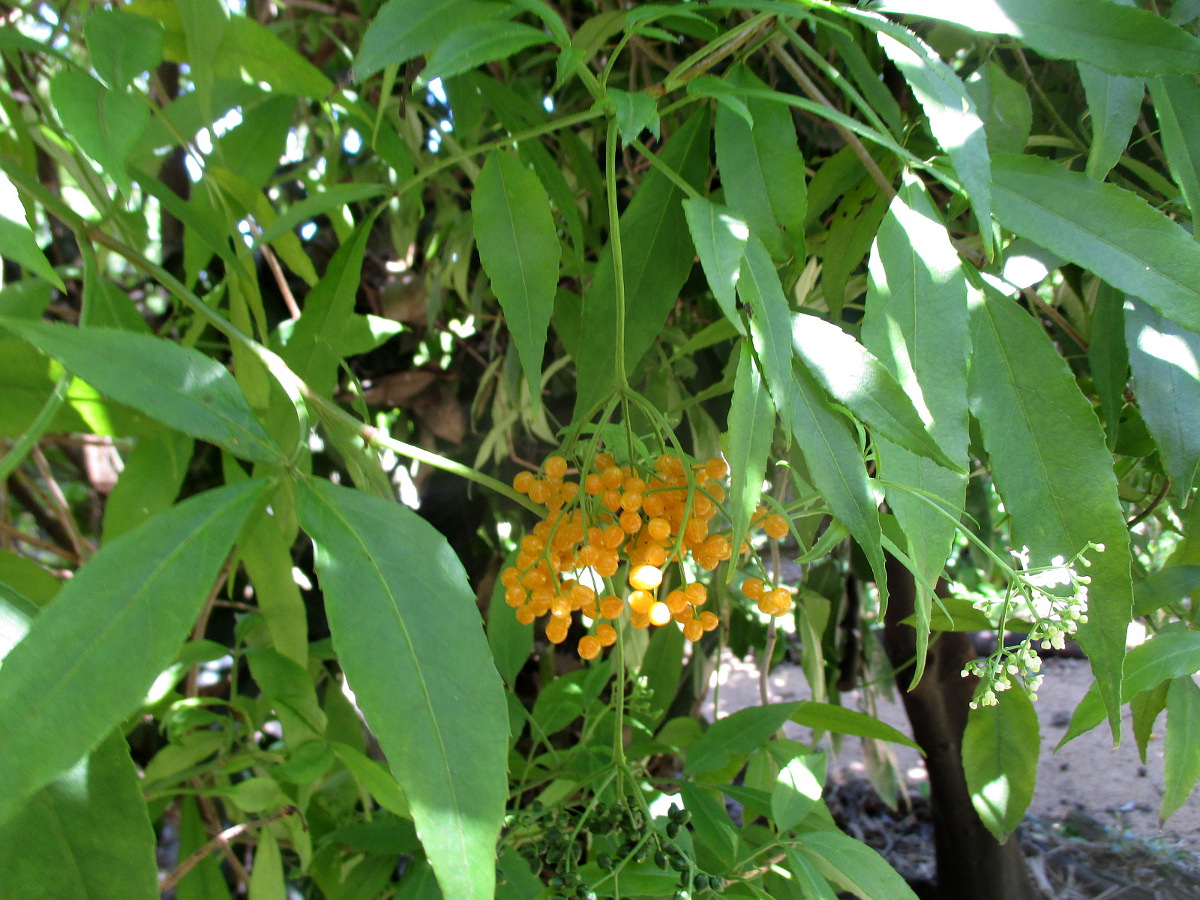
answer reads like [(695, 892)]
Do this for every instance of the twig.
[(1055, 316), (1050, 108), (11, 533), (62, 510), (1153, 504), (852, 140), (221, 840), (285, 289), (202, 625)]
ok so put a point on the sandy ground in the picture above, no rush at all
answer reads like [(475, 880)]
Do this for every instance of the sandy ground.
[(1087, 775)]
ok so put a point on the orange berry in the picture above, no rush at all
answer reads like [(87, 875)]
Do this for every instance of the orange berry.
[(515, 596), (593, 485), (612, 606), (693, 630), (611, 500), (645, 578), (630, 521), (716, 467), (560, 606), (510, 576), (613, 476), (641, 602), (653, 504), (608, 563), (715, 491), (614, 536), (523, 481), (677, 602), (556, 630), (709, 621), (776, 527), (753, 588), (660, 614), (697, 593), (631, 500), (555, 468), (603, 461), (655, 556), (706, 561), (639, 620), (567, 490), (696, 530), (526, 615), (659, 529), (702, 507), (606, 634), (718, 546), (589, 646), (539, 491)]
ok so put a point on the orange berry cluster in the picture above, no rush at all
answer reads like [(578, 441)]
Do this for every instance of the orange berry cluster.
[(772, 601), (624, 516)]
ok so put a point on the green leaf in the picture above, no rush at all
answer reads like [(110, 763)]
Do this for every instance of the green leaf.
[(149, 483), (662, 668), (855, 223), (1123, 40), (176, 385), (854, 865), (254, 49), (720, 239), (315, 205), (1181, 755), (266, 877), (18, 244), (474, 44), (23, 575), (1165, 360), (123, 45), (840, 720), (758, 286), (314, 346), (952, 116), (1144, 709), (737, 734), (1000, 755), (710, 823), (1053, 471), (797, 790), (762, 169), (93, 834), (1003, 105), (810, 883), (106, 124), (566, 698), (289, 687), (1108, 358), (658, 258), (635, 113), (519, 249), (1177, 108), (1169, 655), (915, 279), (92, 655), (861, 383), (1164, 587), (423, 674), (403, 29), (747, 445), (1114, 102), (837, 468), (1110, 231)]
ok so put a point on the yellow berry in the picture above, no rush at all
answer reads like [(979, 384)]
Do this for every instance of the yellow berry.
[(658, 528), (631, 521), (716, 467), (753, 588), (514, 596), (556, 630), (677, 602), (555, 468), (709, 620), (697, 594), (641, 602), (613, 476), (510, 576), (606, 634), (693, 630), (645, 578), (660, 614), (526, 615), (612, 606)]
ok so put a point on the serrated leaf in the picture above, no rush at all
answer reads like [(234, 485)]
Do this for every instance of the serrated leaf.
[(861, 383), (176, 385), (1165, 360), (797, 790), (915, 279), (720, 239), (149, 482), (520, 252), (1103, 228), (837, 468), (762, 169), (472, 45), (758, 286), (1169, 655), (1003, 105), (1124, 40), (1177, 108), (1114, 102), (710, 823), (635, 113), (1181, 755), (840, 720), (747, 445), (1053, 471), (250, 47), (1000, 754), (20, 246), (425, 683), (951, 112), (119, 622), (1166, 586), (403, 29), (737, 734)]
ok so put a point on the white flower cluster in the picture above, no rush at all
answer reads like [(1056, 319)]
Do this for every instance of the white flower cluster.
[(1055, 601)]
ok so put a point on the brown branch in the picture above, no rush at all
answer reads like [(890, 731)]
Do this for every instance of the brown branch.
[(11, 533), (852, 140), (62, 510), (27, 496), (220, 840), (1153, 504), (201, 627)]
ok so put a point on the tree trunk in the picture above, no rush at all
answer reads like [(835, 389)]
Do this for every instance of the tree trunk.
[(971, 865)]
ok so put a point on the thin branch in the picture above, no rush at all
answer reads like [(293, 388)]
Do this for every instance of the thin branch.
[(1055, 316), (1153, 504), (62, 510), (201, 626), (221, 840), (852, 140), (285, 289), (11, 533)]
